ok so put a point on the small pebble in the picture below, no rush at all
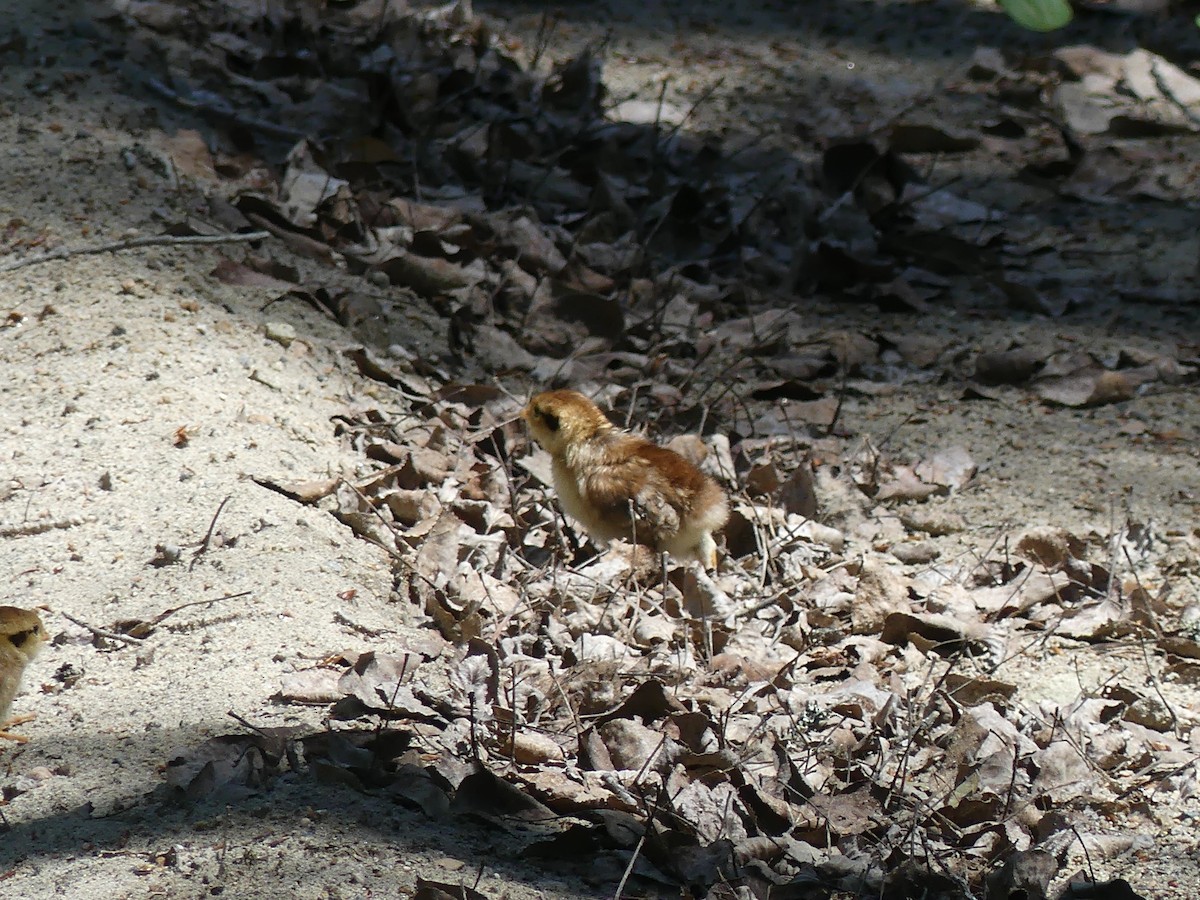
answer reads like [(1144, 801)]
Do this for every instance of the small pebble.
[(916, 553), (280, 332)]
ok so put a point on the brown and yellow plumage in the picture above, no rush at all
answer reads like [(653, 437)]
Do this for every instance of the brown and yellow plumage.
[(21, 636), (620, 485)]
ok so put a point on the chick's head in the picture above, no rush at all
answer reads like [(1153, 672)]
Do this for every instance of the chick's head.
[(561, 420), (21, 634)]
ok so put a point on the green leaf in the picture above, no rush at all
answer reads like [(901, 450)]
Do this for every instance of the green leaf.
[(1038, 15)]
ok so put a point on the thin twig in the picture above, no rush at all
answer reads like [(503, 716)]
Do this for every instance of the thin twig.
[(637, 850), (203, 548), (391, 551), (383, 722), (174, 609), (222, 110), (247, 725), (154, 240), (542, 41), (1150, 676), (100, 632), (1087, 856), (841, 397)]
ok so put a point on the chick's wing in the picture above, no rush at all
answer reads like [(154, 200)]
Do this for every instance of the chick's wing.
[(628, 492)]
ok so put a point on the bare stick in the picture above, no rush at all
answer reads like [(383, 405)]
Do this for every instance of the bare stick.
[(841, 397), (100, 632), (247, 725), (637, 850), (633, 858), (38, 526), (203, 548), (221, 110), (154, 240), (542, 41), (174, 609), (1141, 635)]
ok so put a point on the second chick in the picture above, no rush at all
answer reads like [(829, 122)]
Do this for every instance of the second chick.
[(21, 636)]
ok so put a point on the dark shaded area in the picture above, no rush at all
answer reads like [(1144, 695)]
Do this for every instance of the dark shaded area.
[(388, 134), (940, 29), (282, 807)]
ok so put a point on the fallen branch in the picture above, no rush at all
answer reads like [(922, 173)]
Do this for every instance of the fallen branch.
[(101, 633), (157, 240)]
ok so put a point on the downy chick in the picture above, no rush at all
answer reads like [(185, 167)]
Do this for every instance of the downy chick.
[(21, 636), (619, 485)]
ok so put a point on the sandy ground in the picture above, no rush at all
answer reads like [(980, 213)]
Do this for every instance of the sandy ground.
[(112, 356), (138, 393)]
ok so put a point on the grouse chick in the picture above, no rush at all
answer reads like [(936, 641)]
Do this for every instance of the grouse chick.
[(620, 485), (21, 636)]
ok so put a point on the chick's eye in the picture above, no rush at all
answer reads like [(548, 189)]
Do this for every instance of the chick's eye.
[(20, 637), (550, 419)]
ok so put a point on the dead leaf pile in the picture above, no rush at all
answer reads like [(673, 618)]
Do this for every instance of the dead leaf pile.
[(561, 242), (814, 717)]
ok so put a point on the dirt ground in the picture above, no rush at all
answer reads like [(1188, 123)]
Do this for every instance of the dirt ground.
[(138, 393)]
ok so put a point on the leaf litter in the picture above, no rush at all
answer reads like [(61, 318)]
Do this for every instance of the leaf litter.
[(826, 701), (814, 718)]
